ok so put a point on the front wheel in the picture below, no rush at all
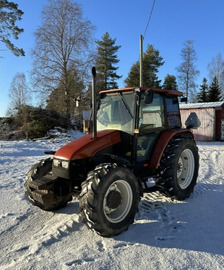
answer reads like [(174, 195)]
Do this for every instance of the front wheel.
[(178, 168), (109, 199)]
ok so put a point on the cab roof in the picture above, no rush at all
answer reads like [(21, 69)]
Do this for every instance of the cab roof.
[(137, 89)]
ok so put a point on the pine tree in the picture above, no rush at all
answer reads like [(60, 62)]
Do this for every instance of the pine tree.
[(214, 92), (106, 63), (170, 82), (9, 14), (202, 96), (151, 63)]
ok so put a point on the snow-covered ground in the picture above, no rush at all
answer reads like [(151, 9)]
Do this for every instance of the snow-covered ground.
[(165, 235)]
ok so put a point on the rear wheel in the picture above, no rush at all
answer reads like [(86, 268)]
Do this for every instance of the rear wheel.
[(178, 168), (109, 199), (38, 170)]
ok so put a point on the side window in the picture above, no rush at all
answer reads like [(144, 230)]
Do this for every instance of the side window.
[(173, 113), (152, 115)]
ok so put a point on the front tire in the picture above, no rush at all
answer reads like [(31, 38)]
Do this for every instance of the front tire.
[(109, 199), (178, 169)]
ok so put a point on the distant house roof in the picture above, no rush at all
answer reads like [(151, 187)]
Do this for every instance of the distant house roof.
[(202, 105)]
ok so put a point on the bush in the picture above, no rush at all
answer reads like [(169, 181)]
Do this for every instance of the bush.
[(31, 122)]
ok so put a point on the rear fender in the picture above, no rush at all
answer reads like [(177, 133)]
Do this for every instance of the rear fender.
[(162, 142)]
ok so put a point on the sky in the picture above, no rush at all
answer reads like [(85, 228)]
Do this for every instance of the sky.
[(172, 23)]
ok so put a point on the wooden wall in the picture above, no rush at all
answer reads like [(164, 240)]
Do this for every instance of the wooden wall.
[(206, 132)]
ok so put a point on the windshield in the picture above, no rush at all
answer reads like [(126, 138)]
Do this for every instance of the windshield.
[(116, 112)]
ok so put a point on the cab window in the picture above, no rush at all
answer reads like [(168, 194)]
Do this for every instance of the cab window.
[(173, 113), (151, 115)]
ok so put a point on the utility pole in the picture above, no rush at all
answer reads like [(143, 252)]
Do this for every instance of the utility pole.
[(141, 61)]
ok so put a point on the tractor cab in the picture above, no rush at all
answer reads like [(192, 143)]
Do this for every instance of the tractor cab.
[(141, 115)]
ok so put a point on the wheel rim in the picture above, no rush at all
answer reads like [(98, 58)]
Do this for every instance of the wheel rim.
[(185, 170), (117, 201)]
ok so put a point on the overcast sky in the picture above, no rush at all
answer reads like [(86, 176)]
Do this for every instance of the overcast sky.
[(172, 23)]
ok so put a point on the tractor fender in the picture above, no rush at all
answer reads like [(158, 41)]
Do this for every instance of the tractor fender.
[(162, 142), (87, 146)]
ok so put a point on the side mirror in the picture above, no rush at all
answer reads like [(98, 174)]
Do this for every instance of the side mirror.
[(149, 93), (183, 99), (193, 121)]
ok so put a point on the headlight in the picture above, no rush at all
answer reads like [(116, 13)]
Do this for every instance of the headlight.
[(61, 163), (64, 164), (56, 162)]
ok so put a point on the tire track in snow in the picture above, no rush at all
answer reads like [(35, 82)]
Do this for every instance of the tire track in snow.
[(211, 170), (155, 206)]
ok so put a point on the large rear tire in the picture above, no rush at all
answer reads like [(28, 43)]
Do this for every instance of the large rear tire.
[(178, 169), (109, 199), (38, 170)]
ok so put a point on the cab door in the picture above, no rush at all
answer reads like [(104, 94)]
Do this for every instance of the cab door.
[(151, 124)]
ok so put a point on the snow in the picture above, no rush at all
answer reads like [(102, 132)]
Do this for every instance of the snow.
[(166, 234)]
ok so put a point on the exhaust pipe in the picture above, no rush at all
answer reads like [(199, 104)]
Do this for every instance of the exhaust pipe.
[(94, 102)]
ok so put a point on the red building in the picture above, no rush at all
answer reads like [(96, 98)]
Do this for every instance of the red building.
[(211, 116)]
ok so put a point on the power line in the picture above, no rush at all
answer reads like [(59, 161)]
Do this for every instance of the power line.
[(149, 17)]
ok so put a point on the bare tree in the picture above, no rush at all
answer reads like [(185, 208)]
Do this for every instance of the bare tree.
[(216, 69), (187, 72), (18, 92), (62, 41)]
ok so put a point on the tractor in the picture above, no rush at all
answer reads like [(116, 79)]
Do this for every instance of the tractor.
[(137, 135)]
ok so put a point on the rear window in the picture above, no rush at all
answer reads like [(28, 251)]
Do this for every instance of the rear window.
[(173, 113)]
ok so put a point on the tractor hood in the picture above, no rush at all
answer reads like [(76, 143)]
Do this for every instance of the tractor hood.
[(86, 146)]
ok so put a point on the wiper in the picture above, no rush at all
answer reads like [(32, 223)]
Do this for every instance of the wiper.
[(125, 104)]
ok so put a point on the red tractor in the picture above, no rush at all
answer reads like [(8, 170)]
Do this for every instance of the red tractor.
[(137, 135)]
